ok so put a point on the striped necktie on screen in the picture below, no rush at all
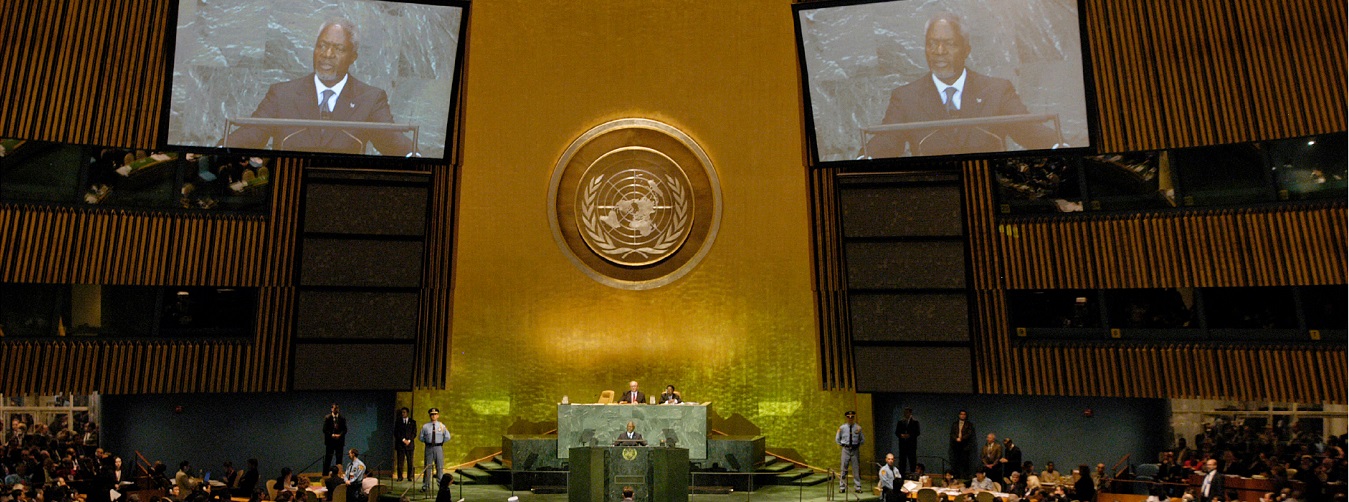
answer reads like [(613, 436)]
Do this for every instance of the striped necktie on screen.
[(325, 108)]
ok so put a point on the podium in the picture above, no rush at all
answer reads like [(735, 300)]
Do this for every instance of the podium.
[(599, 473)]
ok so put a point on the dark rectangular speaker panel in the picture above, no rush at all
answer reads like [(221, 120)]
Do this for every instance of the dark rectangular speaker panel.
[(373, 315), (914, 369), (906, 265), (362, 263), (365, 209), (909, 317), (335, 366), (901, 211)]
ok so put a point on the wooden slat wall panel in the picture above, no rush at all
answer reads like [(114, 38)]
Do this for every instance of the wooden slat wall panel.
[(1217, 248), (83, 71), (77, 245), (1176, 74), (437, 309), (830, 284), (1286, 373)]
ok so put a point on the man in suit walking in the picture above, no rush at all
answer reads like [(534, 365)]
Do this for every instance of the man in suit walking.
[(404, 433), (330, 93), (907, 430), (1211, 488)]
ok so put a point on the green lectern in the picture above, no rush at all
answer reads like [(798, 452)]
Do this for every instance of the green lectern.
[(656, 474)]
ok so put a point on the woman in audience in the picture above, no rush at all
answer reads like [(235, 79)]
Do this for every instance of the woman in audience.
[(302, 493), (285, 481)]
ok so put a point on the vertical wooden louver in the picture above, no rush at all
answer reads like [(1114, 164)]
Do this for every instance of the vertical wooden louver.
[(830, 284), (1204, 72), (83, 71), (1172, 75), (437, 309)]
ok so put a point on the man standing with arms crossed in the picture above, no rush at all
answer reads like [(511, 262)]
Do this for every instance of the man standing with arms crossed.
[(849, 439), (434, 434)]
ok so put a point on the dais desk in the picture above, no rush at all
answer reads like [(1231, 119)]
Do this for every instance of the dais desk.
[(599, 425)]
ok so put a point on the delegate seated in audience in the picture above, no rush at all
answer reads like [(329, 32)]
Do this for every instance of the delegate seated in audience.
[(286, 481), (1050, 475), (1017, 485), (184, 479), (302, 485), (949, 480), (981, 481), (332, 481)]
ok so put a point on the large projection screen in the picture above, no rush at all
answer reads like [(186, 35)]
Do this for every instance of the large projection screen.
[(871, 89), (243, 59)]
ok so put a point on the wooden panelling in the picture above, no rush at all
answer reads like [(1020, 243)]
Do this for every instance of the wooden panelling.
[(78, 245), (1228, 247), (830, 284), (83, 71), (1214, 248), (437, 309), (1284, 374), (1174, 74)]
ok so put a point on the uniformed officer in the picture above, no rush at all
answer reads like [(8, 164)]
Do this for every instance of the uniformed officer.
[(849, 439), (890, 476), (434, 434)]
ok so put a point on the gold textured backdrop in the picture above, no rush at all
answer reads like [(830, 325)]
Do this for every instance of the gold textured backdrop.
[(528, 327)]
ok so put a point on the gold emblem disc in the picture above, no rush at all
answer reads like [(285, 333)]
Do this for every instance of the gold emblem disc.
[(634, 203)]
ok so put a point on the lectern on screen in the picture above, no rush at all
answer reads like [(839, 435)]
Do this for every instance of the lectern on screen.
[(877, 74), (332, 77)]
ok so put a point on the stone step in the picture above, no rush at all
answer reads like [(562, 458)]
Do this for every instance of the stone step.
[(490, 466), (776, 467), (475, 473), (792, 475), (811, 480)]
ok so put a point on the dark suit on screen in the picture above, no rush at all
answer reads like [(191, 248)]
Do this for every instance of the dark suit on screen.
[(297, 99), (982, 96)]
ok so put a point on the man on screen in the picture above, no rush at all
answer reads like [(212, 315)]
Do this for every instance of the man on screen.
[(952, 91), (330, 93)]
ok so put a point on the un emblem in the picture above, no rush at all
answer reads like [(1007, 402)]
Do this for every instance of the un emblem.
[(634, 203), (629, 454)]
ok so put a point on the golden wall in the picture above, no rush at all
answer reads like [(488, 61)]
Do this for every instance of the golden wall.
[(529, 327)]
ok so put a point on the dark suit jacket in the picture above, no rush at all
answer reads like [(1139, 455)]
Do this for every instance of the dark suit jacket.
[(296, 99), (623, 439), (626, 397), (1215, 488), (966, 439), (330, 427), (911, 428), (403, 431), (982, 96)]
